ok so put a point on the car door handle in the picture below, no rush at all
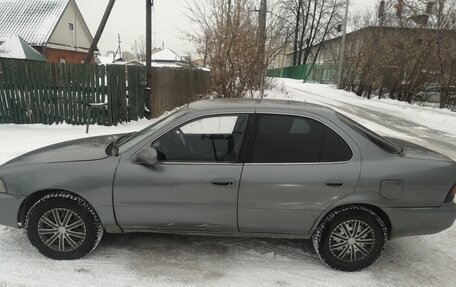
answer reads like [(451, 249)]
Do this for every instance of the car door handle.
[(334, 183), (222, 181)]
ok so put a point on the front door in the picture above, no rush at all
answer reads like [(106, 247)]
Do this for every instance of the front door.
[(297, 168), (194, 186)]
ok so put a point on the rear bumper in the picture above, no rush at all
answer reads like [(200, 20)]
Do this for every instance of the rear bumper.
[(9, 206), (421, 221)]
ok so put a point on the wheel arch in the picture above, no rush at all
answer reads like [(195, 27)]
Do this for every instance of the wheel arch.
[(34, 197), (377, 210)]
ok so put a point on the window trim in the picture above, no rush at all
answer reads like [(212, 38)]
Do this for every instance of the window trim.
[(374, 138), (241, 157), (255, 129)]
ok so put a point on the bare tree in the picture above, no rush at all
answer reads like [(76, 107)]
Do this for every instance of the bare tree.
[(314, 22), (128, 56), (139, 48), (226, 35), (414, 50)]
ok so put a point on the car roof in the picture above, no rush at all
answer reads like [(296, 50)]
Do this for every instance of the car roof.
[(233, 104)]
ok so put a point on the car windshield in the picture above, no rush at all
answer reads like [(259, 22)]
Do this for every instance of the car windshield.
[(141, 135), (380, 141)]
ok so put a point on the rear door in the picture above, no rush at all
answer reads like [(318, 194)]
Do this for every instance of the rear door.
[(298, 166)]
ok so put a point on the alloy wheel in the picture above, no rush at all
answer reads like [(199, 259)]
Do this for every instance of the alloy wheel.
[(62, 229), (352, 240)]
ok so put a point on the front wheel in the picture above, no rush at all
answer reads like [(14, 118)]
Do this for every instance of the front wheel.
[(351, 238), (63, 227)]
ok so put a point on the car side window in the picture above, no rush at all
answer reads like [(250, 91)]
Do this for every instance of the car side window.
[(209, 139), (291, 139)]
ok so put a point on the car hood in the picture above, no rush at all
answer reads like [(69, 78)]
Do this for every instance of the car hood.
[(412, 150), (87, 149)]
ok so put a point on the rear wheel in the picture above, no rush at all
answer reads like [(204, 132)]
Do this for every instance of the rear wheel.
[(64, 227), (351, 238)]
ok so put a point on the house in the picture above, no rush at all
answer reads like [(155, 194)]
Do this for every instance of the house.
[(110, 59), (409, 40), (55, 28), (168, 58), (16, 48), (284, 57)]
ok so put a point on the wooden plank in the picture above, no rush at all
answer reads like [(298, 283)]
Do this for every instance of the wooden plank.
[(22, 94), (103, 95), (129, 93), (110, 84), (58, 83), (4, 115), (10, 92), (74, 94), (49, 92), (99, 98), (90, 91), (51, 84), (69, 84), (77, 94), (40, 93), (83, 93), (34, 97), (87, 92), (64, 88)]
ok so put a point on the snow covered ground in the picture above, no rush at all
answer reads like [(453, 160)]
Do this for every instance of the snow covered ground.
[(168, 260)]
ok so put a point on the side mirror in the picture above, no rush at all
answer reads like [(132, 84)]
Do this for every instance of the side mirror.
[(147, 156)]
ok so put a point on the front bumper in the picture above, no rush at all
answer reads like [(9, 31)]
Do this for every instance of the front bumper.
[(421, 221), (9, 206)]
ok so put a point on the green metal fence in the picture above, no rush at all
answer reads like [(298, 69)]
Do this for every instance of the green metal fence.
[(35, 92), (318, 73)]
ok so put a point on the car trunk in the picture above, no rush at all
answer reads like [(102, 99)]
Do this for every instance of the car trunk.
[(412, 150)]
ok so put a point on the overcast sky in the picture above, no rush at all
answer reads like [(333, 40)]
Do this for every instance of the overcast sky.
[(169, 20)]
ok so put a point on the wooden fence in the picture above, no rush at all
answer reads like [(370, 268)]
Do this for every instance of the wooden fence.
[(34, 92), (174, 87)]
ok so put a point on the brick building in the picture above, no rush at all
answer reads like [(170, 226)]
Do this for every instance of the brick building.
[(55, 28)]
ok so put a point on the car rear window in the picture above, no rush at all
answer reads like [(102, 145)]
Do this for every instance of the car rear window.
[(292, 139), (378, 140)]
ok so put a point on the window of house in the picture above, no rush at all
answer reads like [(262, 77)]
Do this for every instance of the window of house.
[(290, 139), (62, 61), (71, 26), (210, 139)]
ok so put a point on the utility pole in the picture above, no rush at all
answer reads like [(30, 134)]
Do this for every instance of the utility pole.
[(381, 13), (119, 48), (342, 47), (97, 37), (149, 100), (262, 43)]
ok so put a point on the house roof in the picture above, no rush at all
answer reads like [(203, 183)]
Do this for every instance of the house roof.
[(166, 55), (33, 20), (17, 48)]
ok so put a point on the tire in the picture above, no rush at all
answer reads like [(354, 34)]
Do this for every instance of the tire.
[(63, 227), (336, 242)]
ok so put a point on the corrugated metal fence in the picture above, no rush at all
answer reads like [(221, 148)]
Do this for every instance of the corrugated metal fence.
[(318, 73)]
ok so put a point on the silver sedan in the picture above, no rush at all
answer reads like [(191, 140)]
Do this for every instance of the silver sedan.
[(236, 168)]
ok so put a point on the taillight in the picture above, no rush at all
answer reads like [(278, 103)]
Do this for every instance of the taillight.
[(451, 195)]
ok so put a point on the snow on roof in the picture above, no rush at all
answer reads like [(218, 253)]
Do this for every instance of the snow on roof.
[(104, 60), (166, 55), (33, 20), (17, 48)]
